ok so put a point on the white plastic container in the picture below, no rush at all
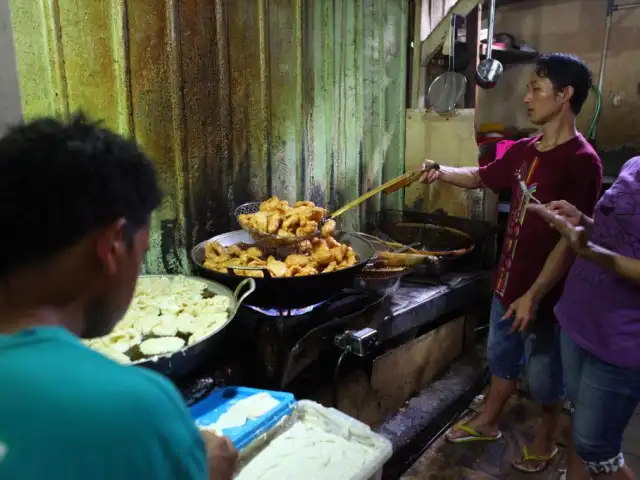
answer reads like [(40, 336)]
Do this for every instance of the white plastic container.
[(335, 423)]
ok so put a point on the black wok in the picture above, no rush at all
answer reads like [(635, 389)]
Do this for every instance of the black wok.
[(180, 363), (293, 292)]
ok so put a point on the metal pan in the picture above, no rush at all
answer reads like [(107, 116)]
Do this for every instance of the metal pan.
[(288, 293), (183, 361)]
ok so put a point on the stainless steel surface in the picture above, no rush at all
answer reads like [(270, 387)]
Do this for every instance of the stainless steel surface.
[(492, 16), (446, 91), (626, 6), (187, 358), (383, 286), (253, 207), (489, 70), (605, 49), (361, 342)]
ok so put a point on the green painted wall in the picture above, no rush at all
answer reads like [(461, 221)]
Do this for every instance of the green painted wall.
[(234, 100)]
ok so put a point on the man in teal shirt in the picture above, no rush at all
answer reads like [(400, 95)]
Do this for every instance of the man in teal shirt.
[(75, 202)]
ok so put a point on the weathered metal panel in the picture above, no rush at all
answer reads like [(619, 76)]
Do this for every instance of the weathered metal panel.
[(234, 100)]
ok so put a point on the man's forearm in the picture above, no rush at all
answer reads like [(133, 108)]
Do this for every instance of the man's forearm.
[(463, 177), (626, 267), (556, 265)]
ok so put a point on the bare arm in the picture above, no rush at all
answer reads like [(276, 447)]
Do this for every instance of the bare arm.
[(462, 177), (221, 454), (556, 265), (576, 237), (623, 266)]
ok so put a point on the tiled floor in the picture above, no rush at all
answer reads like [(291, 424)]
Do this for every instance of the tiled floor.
[(492, 461)]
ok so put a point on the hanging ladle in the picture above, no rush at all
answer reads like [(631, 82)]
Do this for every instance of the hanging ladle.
[(489, 70)]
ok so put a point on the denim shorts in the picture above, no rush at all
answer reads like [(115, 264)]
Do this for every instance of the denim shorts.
[(537, 349), (603, 398)]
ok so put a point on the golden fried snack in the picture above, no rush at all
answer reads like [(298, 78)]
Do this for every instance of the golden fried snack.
[(328, 229), (309, 257), (277, 217)]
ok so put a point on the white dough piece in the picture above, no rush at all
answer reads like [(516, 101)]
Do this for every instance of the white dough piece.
[(199, 335), (162, 307), (259, 404), (167, 327), (160, 346), (230, 419), (121, 340), (249, 408), (307, 447)]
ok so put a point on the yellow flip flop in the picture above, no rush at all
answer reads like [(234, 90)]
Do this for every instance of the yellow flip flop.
[(472, 435), (527, 457)]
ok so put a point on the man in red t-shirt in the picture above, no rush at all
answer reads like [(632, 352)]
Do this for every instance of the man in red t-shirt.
[(558, 164)]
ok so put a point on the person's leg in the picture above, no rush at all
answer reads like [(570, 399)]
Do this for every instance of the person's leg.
[(573, 359), (606, 399), (504, 355), (546, 383)]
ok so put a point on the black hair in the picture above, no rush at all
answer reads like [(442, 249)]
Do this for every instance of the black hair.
[(60, 181), (564, 70)]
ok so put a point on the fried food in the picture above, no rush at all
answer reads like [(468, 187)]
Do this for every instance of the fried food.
[(308, 257), (277, 217)]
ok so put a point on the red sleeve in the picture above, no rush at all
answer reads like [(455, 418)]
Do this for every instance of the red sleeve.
[(500, 174), (585, 181)]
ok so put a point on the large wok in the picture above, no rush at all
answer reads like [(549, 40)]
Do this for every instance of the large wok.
[(183, 361), (293, 292)]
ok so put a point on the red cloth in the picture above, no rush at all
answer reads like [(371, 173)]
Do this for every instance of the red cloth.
[(491, 150), (572, 172)]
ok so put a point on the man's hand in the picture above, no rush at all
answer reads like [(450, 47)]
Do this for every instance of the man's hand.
[(574, 234), (566, 210), (523, 311), (222, 455), (431, 172)]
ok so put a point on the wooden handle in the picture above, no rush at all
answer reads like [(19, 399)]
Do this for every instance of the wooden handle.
[(370, 194), (399, 259)]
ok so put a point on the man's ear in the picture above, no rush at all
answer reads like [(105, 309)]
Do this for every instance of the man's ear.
[(567, 93), (111, 245)]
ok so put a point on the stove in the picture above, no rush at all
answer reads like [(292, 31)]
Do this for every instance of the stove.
[(269, 348), (297, 350), (283, 344)]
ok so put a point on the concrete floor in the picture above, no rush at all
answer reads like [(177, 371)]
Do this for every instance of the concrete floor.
[(492, 461)]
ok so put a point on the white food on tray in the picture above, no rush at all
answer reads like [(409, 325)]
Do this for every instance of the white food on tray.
[(315, 444), (165, 307), (238, 414)]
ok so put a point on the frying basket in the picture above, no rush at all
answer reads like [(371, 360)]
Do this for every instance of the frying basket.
[(458, 243)]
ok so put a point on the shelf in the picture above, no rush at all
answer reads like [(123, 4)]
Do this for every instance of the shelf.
[(509, 56)]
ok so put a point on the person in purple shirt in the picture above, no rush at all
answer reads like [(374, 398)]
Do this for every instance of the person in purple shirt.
[(599, 314)]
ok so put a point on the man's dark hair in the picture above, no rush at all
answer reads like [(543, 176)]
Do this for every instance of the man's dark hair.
[(564, 70), (61, 180)]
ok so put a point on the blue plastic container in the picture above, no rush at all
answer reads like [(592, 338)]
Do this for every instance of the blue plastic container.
[(209, 409)]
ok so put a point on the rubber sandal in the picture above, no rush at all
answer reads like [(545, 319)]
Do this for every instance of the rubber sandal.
[(527, 457), (472, 435)]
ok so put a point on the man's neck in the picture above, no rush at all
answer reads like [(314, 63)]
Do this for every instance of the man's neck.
[(14, 320), (558, 130)]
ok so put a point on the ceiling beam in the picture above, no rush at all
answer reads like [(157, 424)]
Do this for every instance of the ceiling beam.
[(433, 43)]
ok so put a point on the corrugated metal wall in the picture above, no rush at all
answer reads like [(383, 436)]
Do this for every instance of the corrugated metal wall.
[(234, 100)]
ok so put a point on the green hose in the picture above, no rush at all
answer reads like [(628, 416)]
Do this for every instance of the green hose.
[(591, 132)]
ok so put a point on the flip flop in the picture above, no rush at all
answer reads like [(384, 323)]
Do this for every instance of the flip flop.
[(472, 435), (527, 457)]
